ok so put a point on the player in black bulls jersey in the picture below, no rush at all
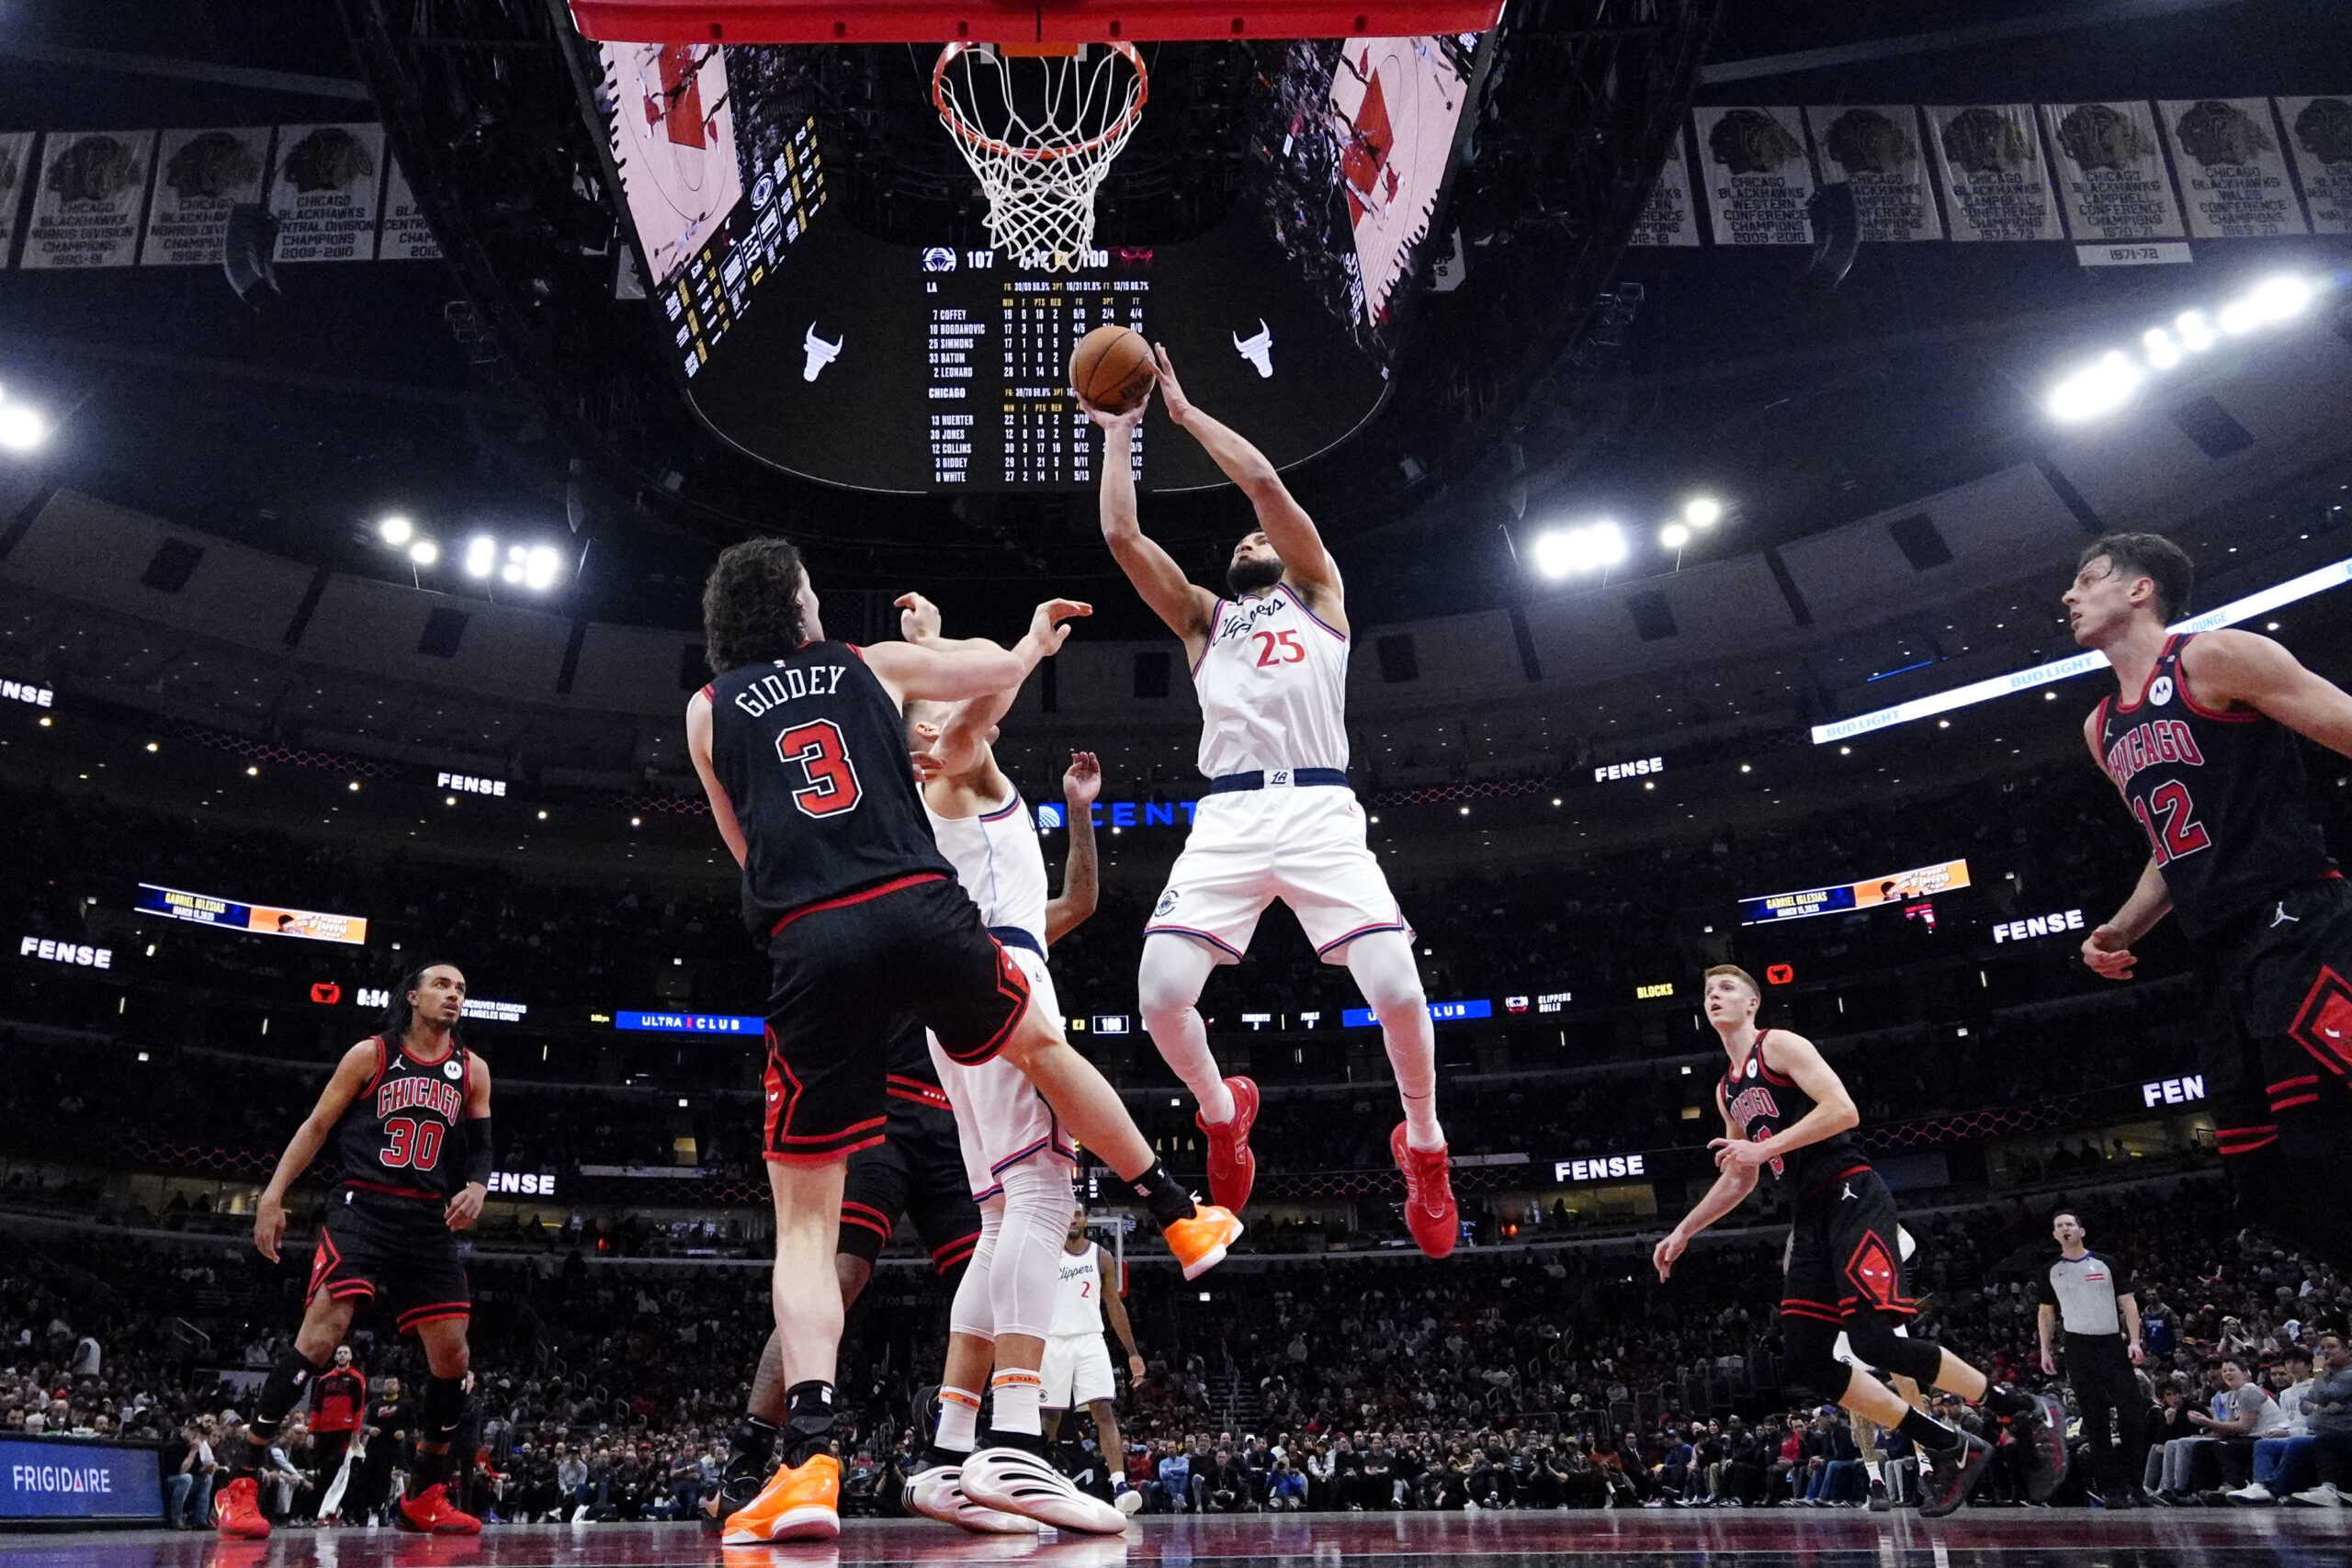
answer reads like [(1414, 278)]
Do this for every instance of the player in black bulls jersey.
[(801, 745), (1785, 1108), (406, 1115), (2200, 739)]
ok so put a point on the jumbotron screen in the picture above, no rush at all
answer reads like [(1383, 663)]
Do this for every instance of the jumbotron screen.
[(846, 358)]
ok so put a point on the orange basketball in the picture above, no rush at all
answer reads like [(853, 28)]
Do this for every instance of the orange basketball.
[(1111, 368)]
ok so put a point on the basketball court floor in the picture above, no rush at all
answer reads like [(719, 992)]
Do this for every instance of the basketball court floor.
[(2012, 1538)]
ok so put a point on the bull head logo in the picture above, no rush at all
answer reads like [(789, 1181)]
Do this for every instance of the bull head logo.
[(1259, 350), (820, 353)]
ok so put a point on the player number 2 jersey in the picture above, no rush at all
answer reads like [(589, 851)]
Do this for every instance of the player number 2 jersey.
[(1078, 1302), (398, 1137), (2221, 796), (1272, 684)]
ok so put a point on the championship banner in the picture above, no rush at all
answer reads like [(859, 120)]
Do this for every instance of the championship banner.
[(203, 910), (2112, 172), (325, 192), (86, 208), (1876, 148), (1996, 184), (2232, 175), (2318, 143), (1669, 217), (201, 174), (16, 174), (1759, 178), (406, 236), (1771, 908)]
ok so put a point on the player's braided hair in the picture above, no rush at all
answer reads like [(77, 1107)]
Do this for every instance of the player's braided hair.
[(750, 605)]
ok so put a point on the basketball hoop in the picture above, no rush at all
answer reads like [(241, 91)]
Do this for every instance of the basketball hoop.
[(1040, 131)]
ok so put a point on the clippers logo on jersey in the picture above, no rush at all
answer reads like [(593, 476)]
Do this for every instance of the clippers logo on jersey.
[(1273, 687), (396, 1095)]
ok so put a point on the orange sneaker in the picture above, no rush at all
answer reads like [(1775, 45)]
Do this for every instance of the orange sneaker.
[(1233, 1169), (1200, 1242), (797, 1504), (430, 1512), (1428, 1195), (236, 1510)]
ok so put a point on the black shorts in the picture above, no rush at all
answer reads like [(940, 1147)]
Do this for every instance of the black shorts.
[(2276, 1046), (1845, 1252), (918, 1170), (396, 1252), (847, 976)]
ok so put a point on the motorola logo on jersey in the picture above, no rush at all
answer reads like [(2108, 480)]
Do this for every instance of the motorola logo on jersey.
[(2160, 691)]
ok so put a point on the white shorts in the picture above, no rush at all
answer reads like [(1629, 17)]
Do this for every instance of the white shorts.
[(1305, 846), (1077, 1372), (1000, 1118)]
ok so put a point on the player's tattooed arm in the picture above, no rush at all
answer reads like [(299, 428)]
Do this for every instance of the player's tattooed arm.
[(1081, 875), (722, 810), (1832, 1109), (350, 1076), (1730, 1190), (1286, 525), (1186, 608), (2254, 671)]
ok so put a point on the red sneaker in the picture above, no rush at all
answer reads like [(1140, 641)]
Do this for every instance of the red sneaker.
[(1428, 1195), (1233, 1169), (236, 1510), (430, 1512)]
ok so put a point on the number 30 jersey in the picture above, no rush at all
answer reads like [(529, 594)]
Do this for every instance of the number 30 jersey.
[(812, 753), (398, 1137), (2220, 793), (1274, 688)]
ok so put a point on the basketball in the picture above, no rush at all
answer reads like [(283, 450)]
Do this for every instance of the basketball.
[(1111, 368)]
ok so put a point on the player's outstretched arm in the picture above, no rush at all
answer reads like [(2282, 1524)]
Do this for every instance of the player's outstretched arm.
[(1832, 1109), (2248, 668), (1185, 607), (1285, 522), (1115, 1309), (722, 810), (1730, 1190), (1080, 876), (350, 1076), (481, 1155), (951, 674), (962, 752)]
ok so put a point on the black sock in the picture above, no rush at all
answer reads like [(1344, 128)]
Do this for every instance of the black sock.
[(1168, 1201), (1027, 1442), (808, 1422), (2003, 1400), (427, 1468), (933, 1456), (1928, 1432), (748, 1450)]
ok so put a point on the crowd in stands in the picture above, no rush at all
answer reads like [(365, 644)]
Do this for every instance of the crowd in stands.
[(1530, 1378)]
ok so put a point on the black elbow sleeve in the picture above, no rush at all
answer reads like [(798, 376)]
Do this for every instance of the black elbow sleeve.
[(481, 1152)]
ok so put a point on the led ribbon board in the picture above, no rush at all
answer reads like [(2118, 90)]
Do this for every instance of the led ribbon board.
[(204, 909), (1769, 909), (2229, 614)]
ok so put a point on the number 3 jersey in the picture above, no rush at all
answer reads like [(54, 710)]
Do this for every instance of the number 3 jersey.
[(398, 1137), (812, 753), (2221, 796), (1272, 684)]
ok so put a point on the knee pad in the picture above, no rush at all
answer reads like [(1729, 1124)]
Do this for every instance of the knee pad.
[(443, 1409), (1026, 1276), (1876, 1343), (1811, 1347), (971, 1312)]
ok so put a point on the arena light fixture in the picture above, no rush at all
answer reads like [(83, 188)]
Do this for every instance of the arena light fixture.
[(396, 530), (481, 555), (2109, 382), (2099, 388), (2259, 603), (22, 429), (1702, 512), (1674, 535), (1565, 552), (424, 552), (540, 567)]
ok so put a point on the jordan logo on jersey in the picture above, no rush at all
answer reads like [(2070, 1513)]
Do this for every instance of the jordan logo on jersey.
[(407, 1093)]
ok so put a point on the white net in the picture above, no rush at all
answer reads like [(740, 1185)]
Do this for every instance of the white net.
[(1040, 132)]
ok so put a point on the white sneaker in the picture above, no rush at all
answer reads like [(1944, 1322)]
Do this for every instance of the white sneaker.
[(938, 1494), (2254, 1492), (1014, 1481), (2324, 1495)]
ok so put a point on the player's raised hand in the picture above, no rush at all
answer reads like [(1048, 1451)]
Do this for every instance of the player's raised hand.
[(1670, 1247), (927, 767), (1179, 407), (269, 1226), (465, 1207), (1083, 781), (918, 617), (1117, 423), (1047, 626), (2108, 952)]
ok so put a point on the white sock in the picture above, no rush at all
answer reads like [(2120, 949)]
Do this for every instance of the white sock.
[(959, 1420), (1383, 966), (1015, 1394), (1167, 994)]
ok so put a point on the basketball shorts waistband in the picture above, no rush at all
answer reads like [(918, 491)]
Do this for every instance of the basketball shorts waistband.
[(1014, 936), (1280, 778)]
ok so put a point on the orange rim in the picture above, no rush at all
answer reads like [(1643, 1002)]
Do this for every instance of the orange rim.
[(981, 142)]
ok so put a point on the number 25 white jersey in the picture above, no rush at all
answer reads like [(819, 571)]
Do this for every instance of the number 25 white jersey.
[(1272, 684)]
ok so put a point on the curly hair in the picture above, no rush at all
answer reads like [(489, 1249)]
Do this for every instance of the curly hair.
[(750, 605), (2150, 555)]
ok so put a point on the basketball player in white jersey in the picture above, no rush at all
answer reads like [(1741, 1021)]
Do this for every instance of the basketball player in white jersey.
[(1017, 1155), (1270, 662), (1077, 1368)]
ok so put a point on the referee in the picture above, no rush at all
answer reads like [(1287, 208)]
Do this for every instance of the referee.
[(2093, 1294)]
